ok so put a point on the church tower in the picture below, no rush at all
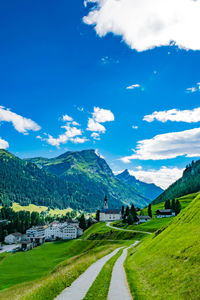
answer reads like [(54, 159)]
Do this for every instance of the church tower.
[(105, 202)]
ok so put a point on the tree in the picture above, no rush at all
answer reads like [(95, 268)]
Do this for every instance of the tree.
[(130, 219), (122, 211), (98, 215), (149, 210), (167, 204), (82, 222), (173, 205), (134, 213), (177, 207), (127, 211), (89, 223)]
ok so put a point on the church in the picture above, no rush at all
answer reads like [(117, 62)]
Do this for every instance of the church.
[(107, 214)]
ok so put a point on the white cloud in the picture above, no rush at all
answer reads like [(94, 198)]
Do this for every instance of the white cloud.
[(188, 116), (134, 127), (20, 123), (168, 145), (102, 115), (95, 136), (79, 140), (69, 135), (133, 86), (75, 123), (67, 118), (191, 90), (95, 126), (3, 144), (162, 177), (145, 24)]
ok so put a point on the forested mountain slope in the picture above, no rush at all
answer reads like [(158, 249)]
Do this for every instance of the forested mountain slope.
[(167, 264), (149, 190), (187, 184), (77, 180), (90, 171)]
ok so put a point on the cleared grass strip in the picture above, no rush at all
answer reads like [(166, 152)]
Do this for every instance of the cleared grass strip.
[(100, 287)]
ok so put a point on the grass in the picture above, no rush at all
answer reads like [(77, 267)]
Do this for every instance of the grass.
[(150, 226), (166, 265), (100, 288), (184, 201), (31, 207), (61, 276), (100, 231), (15, 268)]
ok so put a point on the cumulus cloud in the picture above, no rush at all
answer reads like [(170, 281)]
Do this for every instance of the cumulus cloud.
[(102, 115), (162, 177), (188, 116), (145, 24), (168, 145), (95, 136), (134, 127), (133, 86), (3, 144), (79, 140), (95, 126), (67, 118), (20, 123), (68, 135)]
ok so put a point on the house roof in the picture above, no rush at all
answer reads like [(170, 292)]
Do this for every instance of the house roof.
[(164, 211), (110, 211), (143, 217), (16, 234)]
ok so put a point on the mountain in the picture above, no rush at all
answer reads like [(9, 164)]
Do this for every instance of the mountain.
[(148, 190), (89, 171), (187, 184), (166, 265), (78, 180)]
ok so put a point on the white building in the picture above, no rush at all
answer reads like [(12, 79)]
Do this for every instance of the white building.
[(13, 238), (109, 214), (66, 230), (36, 234)]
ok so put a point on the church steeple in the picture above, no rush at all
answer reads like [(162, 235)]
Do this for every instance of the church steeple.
[(105, 202)]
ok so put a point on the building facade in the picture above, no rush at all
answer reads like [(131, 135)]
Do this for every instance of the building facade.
[(107, 214)]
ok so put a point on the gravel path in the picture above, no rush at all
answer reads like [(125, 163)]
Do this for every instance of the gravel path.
[(119, 289), (117, 228), (81, 285)]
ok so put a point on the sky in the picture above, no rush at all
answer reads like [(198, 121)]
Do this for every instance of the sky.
[(119, 76)]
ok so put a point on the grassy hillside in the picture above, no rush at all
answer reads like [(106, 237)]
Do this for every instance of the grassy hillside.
[(187, 184), (54, 265), (166, 265)]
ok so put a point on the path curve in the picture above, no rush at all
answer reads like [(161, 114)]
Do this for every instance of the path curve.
[(78, 289), (119, 288), (130, 230)]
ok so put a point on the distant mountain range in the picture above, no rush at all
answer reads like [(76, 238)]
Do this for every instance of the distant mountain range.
[(150, 191), (187, 184), (74, 179)]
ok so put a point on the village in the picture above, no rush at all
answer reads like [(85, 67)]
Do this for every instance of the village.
[(70, 229)]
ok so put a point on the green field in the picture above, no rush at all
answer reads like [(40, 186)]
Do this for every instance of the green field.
[(166, 265)]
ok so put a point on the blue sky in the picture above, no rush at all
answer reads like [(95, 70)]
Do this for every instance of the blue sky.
[(54, 64)]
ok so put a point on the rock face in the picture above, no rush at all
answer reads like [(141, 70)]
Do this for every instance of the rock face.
[(148, 190)]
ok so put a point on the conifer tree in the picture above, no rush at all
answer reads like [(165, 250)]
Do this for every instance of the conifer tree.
[(173, 205), (167, 204), (178, 207), (149, 210), (127, 211), (122, 211), (82, 222), (134, 213), (130, 219)]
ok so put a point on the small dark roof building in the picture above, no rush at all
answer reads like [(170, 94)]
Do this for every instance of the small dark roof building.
[(164, 213)]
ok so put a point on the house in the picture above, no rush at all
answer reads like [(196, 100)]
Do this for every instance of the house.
[(27, 245), (13, 238), (164, 213), (66, 230), (36, 234), (69, 232), (143, 219), (107, 214)]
